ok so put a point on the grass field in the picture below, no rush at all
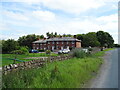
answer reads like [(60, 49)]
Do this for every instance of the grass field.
[(6, 58), (72, 73)]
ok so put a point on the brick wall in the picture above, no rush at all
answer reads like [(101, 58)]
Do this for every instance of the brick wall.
[(78, 44)]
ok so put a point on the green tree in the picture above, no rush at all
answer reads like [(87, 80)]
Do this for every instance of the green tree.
[(27, 40), (105, 39), (90, 39), (9, 45), (55, 35), (80, 36), (41, 36)]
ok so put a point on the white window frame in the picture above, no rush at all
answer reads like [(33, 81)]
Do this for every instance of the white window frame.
[(48, 42), (53, 42), (67, 42), (73, 42)]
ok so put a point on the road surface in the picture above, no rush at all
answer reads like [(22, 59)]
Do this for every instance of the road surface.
[(108, 74)]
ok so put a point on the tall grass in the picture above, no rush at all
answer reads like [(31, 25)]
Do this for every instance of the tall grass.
[(6, 57), (69, 74), (79, 53), (72, 73)]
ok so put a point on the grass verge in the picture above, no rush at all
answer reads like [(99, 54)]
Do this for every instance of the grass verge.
[(6, 57), (72, 73)]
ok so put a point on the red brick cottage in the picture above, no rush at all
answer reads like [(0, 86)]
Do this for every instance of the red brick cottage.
[(57, 43)]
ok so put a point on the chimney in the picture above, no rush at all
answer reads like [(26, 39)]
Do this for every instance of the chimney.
[(38, 38), (60, 36), (44, 38)]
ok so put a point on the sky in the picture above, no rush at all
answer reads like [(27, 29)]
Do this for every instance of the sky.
[(23, 17)]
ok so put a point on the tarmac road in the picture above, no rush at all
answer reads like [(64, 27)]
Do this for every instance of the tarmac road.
[(108, 74)]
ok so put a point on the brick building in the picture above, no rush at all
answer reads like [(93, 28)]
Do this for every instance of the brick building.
[(57, 43)]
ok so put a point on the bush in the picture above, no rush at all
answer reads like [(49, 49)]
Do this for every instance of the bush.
[(24, 50), (48, 52), (79, 53), (17, 52), (90, 49), (41, 50)]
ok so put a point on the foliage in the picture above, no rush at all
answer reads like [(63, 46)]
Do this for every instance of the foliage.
[(41, 50), (79, 53), (50, 35), (48, 52), (6, 57), (78, 71), (90, 49), (27, 40), (90, 39), (24, 50), (105, 39), (116, 45), (96, 39), (9, 45), (16, 52)]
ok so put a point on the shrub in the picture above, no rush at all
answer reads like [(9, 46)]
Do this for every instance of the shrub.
[(17, 52), (79, 53), (90, 49), (41, 50), (24, 50), (48, 52)]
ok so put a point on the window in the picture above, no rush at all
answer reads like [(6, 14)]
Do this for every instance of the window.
[(57, 42), (48, 47), (53, 42), (67, 42), (57, 47), (48, 42), (73, 42), (62, 42)]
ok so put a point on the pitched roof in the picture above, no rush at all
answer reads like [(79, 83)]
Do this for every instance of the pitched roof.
[(57, 39), (40, 41)]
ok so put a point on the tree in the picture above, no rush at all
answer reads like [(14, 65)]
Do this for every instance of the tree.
[(55, 35), (41, 36), (69, 35), (80, 36), (90, 39), (48, 34), (27, 40), (9, 45), (105, 39), (64, 35)]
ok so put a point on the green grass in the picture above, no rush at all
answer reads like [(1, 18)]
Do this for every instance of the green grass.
[(6, 60), (69, 73), (72, 73)]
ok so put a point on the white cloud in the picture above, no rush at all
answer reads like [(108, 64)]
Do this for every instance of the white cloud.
[(44, 15), (72, 6), (42, 21), (110, 18), (69, 6), (15, 16)]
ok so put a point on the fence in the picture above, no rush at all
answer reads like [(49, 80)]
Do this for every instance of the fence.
[(32, 64)]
